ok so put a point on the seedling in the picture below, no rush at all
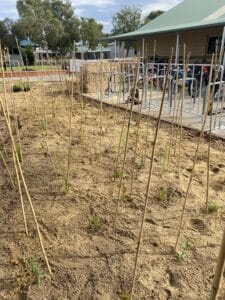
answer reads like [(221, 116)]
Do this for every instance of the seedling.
[(96, 223), (126, 198), (19, 152), (141, 164), (125, 297), (182, 255), (34, 267), (165, 159), (97, 156), (42, 125), (163, 194), (212, 207), (118, 173)]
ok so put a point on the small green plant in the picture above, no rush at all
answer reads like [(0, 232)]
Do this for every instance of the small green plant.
[(124, 296), (182, 255), (141, 164), (19, 152), (42, 125), (96, 223), (118, 173), (163, 194), (212, 207), (126, 197), (97, 156), (17, 88), (34, 267), (165, 159)]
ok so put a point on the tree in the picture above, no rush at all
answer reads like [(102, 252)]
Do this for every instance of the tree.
[(126, 20), (50, 22), (28, 56), (91, 31), (6, 36), (152, 15)]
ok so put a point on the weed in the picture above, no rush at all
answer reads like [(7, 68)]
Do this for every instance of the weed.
[(19, 152), (183, 254), (212, 207), (34, 266), (96, 223)]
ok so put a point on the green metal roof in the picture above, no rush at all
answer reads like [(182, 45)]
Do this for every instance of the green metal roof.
[(189, 14)]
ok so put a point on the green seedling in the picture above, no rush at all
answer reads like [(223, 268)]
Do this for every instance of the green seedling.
[(141, 164), (126, 198), (182, 255), (163, 194), (97, 156), (118, 173), (19, 152), (96, 223), (124, 296), (165, 159), (212, 208), (34, 267), (42, 125)]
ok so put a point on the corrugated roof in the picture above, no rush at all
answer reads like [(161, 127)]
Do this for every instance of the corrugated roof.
[(189, 14)]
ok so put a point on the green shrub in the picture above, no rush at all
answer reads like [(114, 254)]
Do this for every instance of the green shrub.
[(17, 88), (28, 56)]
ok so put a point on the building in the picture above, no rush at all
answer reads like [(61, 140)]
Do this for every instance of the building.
[(84, 52), (117, 50), (197, 23)]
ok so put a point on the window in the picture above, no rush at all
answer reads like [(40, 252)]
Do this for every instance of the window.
[(212, 44)]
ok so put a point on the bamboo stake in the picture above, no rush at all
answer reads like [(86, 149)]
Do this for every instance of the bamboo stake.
[(149, 178), (136, 142), (7, 169), (194, 161), (210, 128), (70, 133), (219, 270), (20, 193), (181, 107), (5, 113), (150, 96), (126, 143)]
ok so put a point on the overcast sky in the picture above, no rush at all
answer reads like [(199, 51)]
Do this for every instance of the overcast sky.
[(101, 10)]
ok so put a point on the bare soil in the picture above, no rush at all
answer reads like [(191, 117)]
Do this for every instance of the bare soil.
[(89, 259)]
